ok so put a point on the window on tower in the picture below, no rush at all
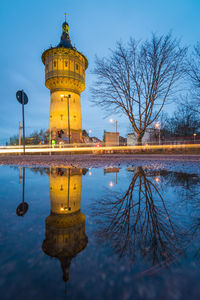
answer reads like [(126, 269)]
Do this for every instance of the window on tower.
[(66, 64), (54, 64), (77, 67)]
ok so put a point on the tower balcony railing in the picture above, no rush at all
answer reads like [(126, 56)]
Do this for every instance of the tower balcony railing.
[(67, 74)]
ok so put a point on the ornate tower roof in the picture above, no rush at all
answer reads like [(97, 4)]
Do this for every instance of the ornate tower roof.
[(65, 41)]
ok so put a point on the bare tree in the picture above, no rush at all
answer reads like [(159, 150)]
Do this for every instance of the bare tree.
[(185, 121), (137, 80), (194, 73)]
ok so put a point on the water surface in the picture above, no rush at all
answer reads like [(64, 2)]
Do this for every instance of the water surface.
[(104, 233)]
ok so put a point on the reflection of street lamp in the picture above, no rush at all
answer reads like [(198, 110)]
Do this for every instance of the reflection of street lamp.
[(112, 121), (111, 184), (67, 96), (194, 135), (157, 126), (89, 131)]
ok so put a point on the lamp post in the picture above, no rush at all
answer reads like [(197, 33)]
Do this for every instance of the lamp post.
[(157, 126), (194, 135), (112, 121), (67, 97)]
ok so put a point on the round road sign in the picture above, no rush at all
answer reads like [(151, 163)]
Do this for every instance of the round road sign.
[(19, 97), (22, 209)]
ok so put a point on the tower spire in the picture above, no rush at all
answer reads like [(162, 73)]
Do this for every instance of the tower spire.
[(65, 17)]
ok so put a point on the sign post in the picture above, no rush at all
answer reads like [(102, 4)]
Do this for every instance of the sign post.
[(22, 207), (22, 99)]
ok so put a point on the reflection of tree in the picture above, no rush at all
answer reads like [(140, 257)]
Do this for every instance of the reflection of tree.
[(185, 180), (193, 195), (188, 182), (138, 222)]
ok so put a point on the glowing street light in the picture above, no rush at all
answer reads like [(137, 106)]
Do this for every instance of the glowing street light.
[(112, 121), (194, 135), (157, 126), (111, 184)]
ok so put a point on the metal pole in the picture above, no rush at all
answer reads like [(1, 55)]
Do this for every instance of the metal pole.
[(49, 137), (116, 126), (68, 189), (20, 177), (50, 144), (23, 122), (20, 133), (68, 119), (159, 136), (23, 186)]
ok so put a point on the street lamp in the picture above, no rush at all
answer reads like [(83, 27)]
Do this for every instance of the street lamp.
[(157, 126), (67, 97), (111, 184), (112, 121), (194, 135)]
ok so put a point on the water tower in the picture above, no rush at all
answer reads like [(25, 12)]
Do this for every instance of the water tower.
[(65, 78)]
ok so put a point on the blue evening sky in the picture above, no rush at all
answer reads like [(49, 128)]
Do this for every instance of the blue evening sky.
[(29, 27)]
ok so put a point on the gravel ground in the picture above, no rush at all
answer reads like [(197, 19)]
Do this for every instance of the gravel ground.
[(108, 160)]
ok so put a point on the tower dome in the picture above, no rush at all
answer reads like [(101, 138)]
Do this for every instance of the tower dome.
[(65, 41)]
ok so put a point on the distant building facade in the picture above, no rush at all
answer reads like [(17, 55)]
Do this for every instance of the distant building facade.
[(132, 138), (111, 139)]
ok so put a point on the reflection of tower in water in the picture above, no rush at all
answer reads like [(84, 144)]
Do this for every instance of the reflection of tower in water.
[(65, 227)]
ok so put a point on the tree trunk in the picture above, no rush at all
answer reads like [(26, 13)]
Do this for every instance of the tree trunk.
[(139, 140)]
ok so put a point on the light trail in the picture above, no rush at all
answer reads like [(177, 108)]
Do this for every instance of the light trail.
[(8, 149)]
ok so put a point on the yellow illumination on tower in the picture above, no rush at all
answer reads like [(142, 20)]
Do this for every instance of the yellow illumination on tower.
[(65, 78)]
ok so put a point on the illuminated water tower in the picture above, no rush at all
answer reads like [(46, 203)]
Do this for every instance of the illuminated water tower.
[(65, 235), (65, 78)]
